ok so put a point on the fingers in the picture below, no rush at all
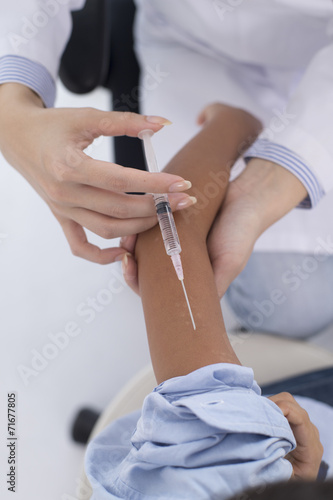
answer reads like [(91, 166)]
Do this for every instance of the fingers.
[(130, 272), (117, 205), (307, 455), (209, 112), (282, 396), (129, 265), (294, 413), (128, 243), (232, 238), (229, 248), (205, 114), (115, 123), (108, 227), (290, 408), (81, 247), (226, 268), (74, 219), (113, 177)]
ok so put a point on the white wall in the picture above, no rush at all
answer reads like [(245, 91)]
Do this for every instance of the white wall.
[(42, 285)]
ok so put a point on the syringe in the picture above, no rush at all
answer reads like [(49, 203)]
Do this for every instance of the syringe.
[(165, 217)]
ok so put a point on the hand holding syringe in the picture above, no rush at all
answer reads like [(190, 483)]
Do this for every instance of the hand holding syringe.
[(165, 217)]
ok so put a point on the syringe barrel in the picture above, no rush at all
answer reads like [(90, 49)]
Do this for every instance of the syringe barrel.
[(167, 224)]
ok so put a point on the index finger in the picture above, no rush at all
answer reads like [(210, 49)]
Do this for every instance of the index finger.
[(120, 179), (291, 409), (116, 123)]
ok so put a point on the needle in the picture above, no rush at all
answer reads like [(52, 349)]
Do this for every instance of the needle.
[(165, 217), (188, 305)]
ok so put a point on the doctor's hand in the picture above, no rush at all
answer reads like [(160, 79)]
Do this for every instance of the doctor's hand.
[(306, 457), (262, 194), (47, 147)]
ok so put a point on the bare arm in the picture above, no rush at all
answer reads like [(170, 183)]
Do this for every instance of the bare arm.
[(175, 348)]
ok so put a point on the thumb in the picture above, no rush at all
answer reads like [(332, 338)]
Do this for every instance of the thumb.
[(225, 268), (231, 241), (115, 123), (130, 272), (229, 255)]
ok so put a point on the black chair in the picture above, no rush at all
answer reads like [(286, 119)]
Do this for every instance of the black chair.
[(100, 54)]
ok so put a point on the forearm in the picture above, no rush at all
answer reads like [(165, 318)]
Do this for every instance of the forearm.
[(274, 190), (17, 94), (176, 349), (206, 161)]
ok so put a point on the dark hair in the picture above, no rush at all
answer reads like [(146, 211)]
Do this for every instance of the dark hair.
[(293, 490)]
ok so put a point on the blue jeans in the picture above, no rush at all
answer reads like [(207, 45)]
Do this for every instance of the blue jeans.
[(289, 294), (317, 385)]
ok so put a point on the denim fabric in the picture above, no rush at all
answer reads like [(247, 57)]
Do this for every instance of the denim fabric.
[(289, 294), (317, 385)]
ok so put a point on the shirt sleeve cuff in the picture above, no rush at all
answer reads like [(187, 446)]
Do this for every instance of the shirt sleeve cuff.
[(277, 153), (31, 74)]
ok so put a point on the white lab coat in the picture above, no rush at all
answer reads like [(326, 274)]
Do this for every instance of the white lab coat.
[(37, 29), (272, 58)]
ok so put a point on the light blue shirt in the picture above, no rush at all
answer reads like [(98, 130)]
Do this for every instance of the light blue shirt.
[(207, 435)]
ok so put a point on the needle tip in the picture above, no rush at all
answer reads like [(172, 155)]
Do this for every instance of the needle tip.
[(188, 304)]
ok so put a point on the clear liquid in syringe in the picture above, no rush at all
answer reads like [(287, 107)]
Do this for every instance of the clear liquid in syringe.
[(167, 224)]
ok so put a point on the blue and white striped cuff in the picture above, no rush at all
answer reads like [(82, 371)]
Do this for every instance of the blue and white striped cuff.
[(277, 153), (21, 70)]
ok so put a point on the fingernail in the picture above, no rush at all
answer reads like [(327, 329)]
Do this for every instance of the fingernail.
[(180, 186), (119, 257), (191, 200), (124, 263), (158, 120)]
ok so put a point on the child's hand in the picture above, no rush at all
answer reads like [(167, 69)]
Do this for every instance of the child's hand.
[(307, 455), (210, 112)]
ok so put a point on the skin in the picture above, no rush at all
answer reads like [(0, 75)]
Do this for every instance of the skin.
[(47, 147), (262, 194), (175, 348), (307, 455)]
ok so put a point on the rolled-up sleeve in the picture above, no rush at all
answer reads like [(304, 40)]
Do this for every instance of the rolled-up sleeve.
[(209, 434), (33, 75)]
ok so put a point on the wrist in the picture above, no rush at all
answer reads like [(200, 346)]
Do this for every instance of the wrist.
[(272, 189), (16, 103), (15, 95), (20, 124)]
